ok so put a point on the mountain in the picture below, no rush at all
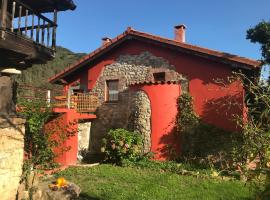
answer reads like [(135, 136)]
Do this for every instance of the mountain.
[(37, 75)]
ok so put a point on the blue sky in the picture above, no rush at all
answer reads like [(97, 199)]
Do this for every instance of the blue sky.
[(215, 24)]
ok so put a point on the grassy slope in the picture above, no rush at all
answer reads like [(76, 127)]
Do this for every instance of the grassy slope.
[(110, 182)]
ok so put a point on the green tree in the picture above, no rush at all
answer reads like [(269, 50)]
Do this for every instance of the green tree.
[(261, 34)]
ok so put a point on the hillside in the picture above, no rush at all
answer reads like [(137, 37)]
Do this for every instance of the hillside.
[(38, 75)]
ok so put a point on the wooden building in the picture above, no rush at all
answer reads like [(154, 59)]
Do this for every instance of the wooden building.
[(27, 36)]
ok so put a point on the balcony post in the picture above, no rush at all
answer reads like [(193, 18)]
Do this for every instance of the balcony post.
[(3, 17), (54, 30)]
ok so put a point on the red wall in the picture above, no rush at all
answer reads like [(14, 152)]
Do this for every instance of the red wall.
[(66, 119), (163, 99), (210, 98), (201, 73)]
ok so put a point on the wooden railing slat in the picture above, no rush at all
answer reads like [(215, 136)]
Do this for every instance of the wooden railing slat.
[(19, 20), (37, 31), (26, 21), (32, 27), (43, 32), (12, 15)]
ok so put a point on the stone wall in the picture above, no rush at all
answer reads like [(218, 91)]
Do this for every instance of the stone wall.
[(11, 156), (140, 118), (7, 90), (134, 68), (127, 69)]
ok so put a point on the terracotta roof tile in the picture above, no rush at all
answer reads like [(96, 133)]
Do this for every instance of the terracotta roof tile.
[(249, 63)]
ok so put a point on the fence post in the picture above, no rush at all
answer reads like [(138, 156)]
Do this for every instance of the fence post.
[(68, 98)]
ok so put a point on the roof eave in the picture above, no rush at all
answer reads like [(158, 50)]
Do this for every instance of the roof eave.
[(130, 33)]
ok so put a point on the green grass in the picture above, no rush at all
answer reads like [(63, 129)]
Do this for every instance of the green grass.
[(111, 182)]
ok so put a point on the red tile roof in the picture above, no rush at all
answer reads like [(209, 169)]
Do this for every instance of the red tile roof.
[(192, 49)]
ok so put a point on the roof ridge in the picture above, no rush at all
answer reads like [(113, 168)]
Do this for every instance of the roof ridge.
[(192, 45)]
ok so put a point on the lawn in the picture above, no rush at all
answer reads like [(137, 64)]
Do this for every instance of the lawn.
[(111, 182)]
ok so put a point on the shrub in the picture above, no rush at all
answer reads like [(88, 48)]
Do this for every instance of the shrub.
[(120, 144), (202, 144)]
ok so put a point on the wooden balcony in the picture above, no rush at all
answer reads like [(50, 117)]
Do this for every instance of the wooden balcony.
[(26, 36)]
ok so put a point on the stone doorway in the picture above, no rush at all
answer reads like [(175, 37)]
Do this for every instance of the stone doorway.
[(84, 134)]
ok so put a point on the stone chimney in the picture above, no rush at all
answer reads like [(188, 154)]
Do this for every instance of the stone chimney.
[(180, 33), (106, 40)]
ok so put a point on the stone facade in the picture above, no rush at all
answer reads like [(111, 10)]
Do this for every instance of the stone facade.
[(134, 68), (128, 69), (11, 156)]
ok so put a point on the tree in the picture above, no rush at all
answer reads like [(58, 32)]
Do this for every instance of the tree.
[(261, 34)]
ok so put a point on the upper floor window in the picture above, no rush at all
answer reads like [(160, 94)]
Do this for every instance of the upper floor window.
[(112, 90), (160, 76)]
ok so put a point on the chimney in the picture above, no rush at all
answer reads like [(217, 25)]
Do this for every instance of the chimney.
[(105, 40), (180, 33)]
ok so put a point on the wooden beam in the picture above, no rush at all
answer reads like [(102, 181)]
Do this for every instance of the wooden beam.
[(34, 27)]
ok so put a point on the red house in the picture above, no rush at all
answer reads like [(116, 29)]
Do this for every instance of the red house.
[(133, 82)]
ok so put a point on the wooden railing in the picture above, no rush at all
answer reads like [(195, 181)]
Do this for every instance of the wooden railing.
[(81, 102), (20, 19)]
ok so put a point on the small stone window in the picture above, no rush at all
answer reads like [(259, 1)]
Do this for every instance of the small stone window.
[(160, 76), (112, 91)]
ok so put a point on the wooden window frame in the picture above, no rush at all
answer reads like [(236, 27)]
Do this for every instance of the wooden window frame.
[(159, 76), (107, 90)]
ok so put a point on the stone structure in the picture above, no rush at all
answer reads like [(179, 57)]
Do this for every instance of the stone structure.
[(134, 68), (128, 69), (140, 118), (84, 129), (7, 90), (11, 156)]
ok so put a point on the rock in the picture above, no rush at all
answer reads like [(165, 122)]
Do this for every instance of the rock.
[(45, 193)]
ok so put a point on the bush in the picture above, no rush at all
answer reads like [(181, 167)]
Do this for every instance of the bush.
[(120, 144)]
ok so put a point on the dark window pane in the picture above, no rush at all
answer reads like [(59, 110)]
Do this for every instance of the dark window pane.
[(159, 76)]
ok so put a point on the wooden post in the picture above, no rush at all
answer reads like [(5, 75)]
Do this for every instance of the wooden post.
[(3, 17), (13, 15), (48, 98), (37, 31), (54, 30), (19, 20), (48, 34), (33, 24), (68, 98)]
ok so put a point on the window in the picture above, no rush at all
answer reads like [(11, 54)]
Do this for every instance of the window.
[(112, 90), (160, 76)]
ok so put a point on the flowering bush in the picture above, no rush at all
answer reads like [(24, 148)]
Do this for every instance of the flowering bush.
[(120, 144)]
